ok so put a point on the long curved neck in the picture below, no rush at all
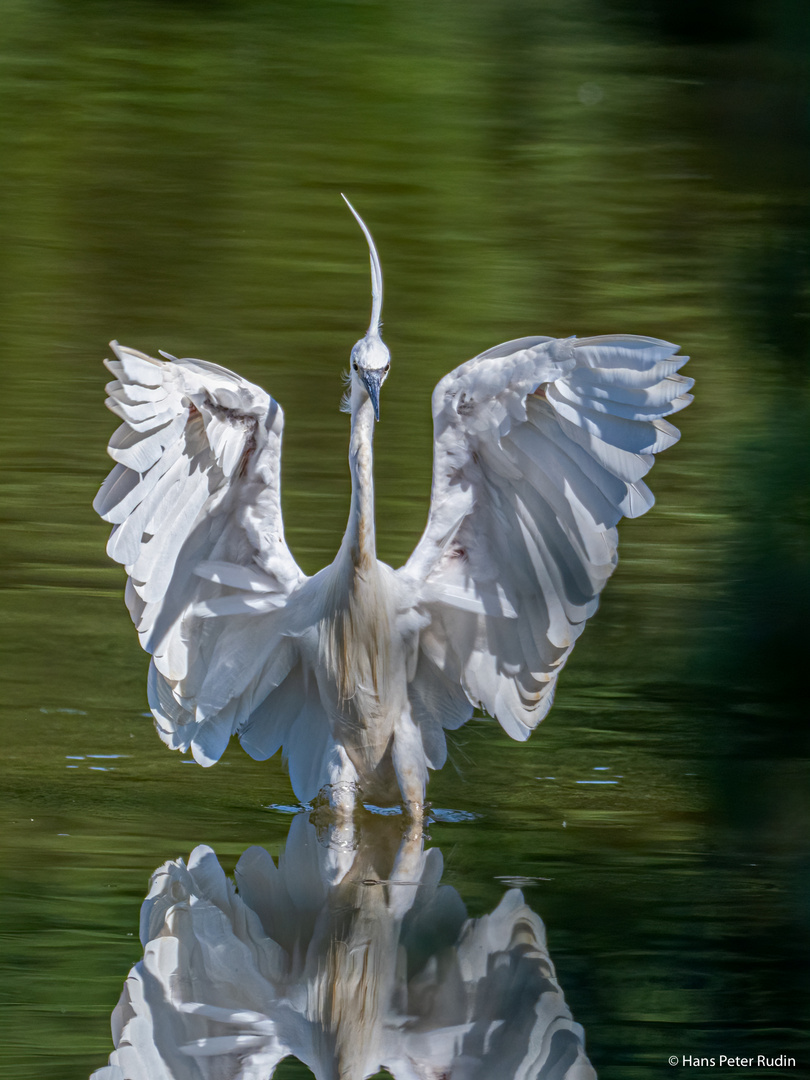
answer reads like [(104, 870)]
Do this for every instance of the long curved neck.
[(360, 536)]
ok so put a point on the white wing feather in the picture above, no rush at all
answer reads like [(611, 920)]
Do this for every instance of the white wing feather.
[(540, 448), (195, 506)]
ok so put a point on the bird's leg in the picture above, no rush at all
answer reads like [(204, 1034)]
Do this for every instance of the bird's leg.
[(338, 798), (416, 811), (408, 758), (342, 797)]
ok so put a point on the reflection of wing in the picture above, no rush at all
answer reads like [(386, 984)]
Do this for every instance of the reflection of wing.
[(540, 447), (188, 1009), (490, 1005), (194, 503), (349, 957)]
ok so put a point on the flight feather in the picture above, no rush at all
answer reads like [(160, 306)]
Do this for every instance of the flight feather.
[(194, 501), (540, 446)]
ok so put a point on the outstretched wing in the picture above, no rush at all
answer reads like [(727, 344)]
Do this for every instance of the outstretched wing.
[(540, 448), (196, 514)]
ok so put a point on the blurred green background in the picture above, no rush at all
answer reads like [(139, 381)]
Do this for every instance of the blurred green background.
[(169, 176)]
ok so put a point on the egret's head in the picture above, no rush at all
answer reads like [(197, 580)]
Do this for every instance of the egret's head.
[(371, 359), (370, 363)]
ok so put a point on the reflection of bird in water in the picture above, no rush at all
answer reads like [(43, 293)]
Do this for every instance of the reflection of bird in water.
[(305, 959), (540, 448)]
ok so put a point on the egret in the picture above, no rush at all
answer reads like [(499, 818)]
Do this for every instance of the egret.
[(540, 446)]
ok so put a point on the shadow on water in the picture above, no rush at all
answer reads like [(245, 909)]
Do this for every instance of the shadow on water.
[(349, 955)]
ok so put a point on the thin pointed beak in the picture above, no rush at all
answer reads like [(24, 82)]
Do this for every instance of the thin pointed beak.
[(372, 382)]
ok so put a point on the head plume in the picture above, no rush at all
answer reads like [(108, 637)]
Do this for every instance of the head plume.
[(376, 274)]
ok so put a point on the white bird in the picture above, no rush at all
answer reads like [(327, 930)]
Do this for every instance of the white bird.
[(540, 446)]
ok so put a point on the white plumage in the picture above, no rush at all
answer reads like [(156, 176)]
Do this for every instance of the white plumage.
[(540, 448), (352, 958)]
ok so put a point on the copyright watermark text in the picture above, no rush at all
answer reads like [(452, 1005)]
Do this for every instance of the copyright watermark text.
[(733, 1061)]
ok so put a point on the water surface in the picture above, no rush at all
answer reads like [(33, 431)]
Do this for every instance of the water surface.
[(170, 176)]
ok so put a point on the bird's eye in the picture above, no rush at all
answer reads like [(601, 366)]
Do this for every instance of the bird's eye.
[(387, 366), (354, 365)]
